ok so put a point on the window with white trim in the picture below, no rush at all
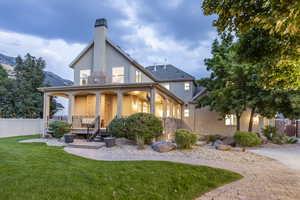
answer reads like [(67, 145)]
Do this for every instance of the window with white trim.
[(230, 120), (138, 76), (84, 75), (118, 75), (187, 86), (186, 112), (166, 85)]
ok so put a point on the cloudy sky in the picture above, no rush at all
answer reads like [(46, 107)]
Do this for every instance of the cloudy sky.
[(150, 31)]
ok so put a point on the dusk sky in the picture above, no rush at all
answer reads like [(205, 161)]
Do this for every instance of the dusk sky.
[(150, 31)]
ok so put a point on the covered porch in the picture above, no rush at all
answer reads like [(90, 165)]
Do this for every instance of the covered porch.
[(98, 105)]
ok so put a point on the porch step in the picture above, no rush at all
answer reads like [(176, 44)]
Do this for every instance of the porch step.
[(83, 144)]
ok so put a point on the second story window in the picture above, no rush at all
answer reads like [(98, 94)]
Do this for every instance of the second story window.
[(138, 76), (84, 75), (118, 74), (230, 120), (187, 86), (166, 85)]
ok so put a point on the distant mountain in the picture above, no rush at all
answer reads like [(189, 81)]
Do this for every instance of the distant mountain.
[(51, 79), (55, 80), (7, 60)]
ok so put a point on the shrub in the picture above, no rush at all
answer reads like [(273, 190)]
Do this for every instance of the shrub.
[(246, 139), (140, 142), (269, 132), (144, 125), (117, 127), (185, 139), (291, 140), (213, 138), (59, 128)]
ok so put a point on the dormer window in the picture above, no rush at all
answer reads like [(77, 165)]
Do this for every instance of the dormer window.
[(138, 76), (84, 75), (118, 74), (187, 86), (166, 85)]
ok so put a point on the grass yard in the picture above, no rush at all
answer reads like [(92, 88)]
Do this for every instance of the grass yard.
[(36, 171)]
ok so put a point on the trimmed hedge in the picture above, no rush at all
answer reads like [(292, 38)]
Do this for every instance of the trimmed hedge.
[(246, 139), (117, 127), (144, 125), (140, 125), (59, 128), (185, 139)]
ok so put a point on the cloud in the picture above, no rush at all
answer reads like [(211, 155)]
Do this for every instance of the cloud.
[(57, 52), (149, 46)]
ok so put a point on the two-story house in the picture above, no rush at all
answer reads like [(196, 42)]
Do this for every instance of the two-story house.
[(108, 83)]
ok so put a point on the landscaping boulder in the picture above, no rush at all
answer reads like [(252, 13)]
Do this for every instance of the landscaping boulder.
[(201, 143), (217, 143), (224, 147), (163, 146), (229, 141)]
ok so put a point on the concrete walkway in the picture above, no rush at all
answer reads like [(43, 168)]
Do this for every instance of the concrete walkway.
[(288, 155)]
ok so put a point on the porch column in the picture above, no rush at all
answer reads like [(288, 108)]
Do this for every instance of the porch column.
[(152, 101), (46, 113), (120, 104), (171, 109), (71, 107), (165, 108), (98, 104)]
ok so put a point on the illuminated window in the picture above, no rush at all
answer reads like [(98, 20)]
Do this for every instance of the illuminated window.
[(166, 85), (230, 120), (145, 108), (118, 74), (187, 86), (138, 76), (84, 75), (186, 112)]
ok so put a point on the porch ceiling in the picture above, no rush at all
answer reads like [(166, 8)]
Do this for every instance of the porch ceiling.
[(111, 87)]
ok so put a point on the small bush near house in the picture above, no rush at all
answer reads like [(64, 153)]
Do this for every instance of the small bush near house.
[(185, 139), (140, 142), (213, 138), (59, 128), (269, 132), (117, 127), (276, 137), (246, 139), (144, 125)]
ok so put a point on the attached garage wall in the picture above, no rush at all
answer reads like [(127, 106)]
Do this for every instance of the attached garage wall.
[(206, 122)]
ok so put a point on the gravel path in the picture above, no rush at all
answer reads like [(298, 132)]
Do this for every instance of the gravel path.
[(264, 178)]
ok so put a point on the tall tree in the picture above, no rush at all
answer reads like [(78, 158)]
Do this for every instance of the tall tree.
[(226, 84), (29, 76), (265, 22)]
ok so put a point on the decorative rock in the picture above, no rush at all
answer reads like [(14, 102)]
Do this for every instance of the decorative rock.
[(217, 143), (200, 143), (202, 137), (239, 149), (223, 147), (229, 141), (163, 146)]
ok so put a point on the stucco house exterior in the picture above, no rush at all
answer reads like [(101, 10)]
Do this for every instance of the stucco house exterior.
[(108, 83)]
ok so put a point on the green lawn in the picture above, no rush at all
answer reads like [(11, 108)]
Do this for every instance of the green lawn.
[(37, 171)]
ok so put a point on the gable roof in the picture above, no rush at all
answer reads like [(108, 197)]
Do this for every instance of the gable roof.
[(119, 50), (169, 73)]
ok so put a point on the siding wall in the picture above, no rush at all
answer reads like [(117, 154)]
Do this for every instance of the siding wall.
[(206, 122), (19, 127)]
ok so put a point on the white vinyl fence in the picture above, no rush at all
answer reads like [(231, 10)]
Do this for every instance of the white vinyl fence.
[(18, 127)]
